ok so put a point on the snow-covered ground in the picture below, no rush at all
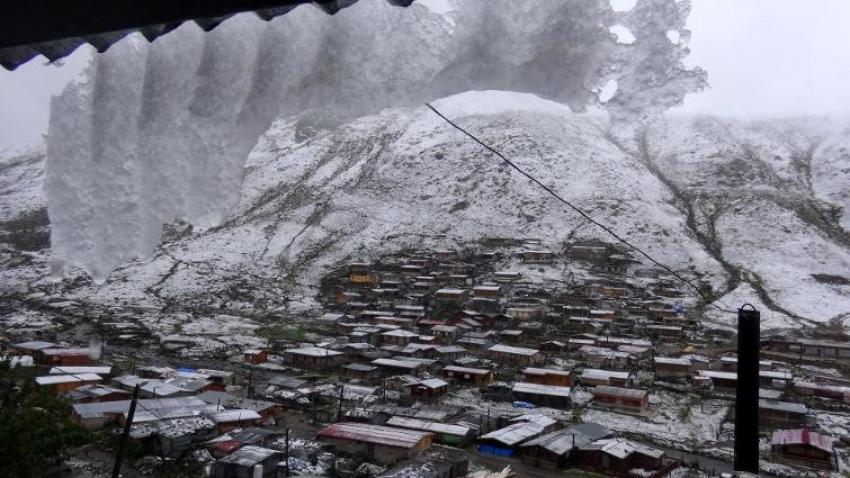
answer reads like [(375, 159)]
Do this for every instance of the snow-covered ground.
[(321, 192)]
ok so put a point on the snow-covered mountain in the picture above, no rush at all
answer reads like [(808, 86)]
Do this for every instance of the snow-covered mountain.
[(758, 210), (161, 130)]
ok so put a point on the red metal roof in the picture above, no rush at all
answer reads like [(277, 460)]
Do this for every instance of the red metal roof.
[(801, 436)]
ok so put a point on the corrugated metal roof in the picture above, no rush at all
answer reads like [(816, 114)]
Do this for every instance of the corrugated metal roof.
[(801, 437), (374, 434), (507, 349), (546, 371), (472, 371), (598, 374), (789, 407), (236, 416), (538, 389), (100, 370), (249, 456), (620, 448), (562, 441), (414, 424), (620, 392), (57, 379), (28, 31), (514, 434)]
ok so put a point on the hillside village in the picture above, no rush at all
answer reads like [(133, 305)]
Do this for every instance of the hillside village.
[(443, 363)]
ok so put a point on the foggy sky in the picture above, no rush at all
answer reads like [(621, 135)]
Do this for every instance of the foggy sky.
[(765, 58)]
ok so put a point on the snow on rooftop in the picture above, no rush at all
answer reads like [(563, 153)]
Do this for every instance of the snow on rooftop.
[(375, 434), (802, 437), (598, 374), (673, 361), (100, 370), (314, 352), (249, 456), (237, 415), (621, 448), (508, 349), (515, 433), (546, 371), (620, 392), (416, 424), (57, 379), (538, 389)]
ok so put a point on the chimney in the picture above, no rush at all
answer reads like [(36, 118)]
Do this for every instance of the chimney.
[(747, 392)]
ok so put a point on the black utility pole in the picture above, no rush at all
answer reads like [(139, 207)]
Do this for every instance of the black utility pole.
[(286, 473), (747, 392), (119, 454), (250, 382), (341, 396)]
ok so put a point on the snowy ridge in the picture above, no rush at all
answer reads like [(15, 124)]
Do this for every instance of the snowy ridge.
[(716, 200)]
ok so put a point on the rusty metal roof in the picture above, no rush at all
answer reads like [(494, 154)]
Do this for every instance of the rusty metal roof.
[(376, 434)]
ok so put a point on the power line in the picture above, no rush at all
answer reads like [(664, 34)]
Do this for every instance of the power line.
[(583, 214)]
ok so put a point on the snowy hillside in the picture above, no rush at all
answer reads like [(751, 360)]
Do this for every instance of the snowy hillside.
[(161, 130), (757, 210)]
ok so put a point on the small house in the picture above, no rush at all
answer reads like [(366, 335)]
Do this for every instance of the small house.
[(487, 291), (595, 377), (537, 257), (255, 356), (517, 355), (553, 346), (449, 353), (446, 334), (428, 389), (250, 461), (381, 444), (96, 393), (314, 358), (510, 335), (451, 295), (666, 331), (618, 457), (623, 399), (33, 349), (524, 313), (455, 435), (802, 448), (395, 366), (670, 367), (468, 375), (556, 450), (360, 371), (545, 376), (505, 441), (67, 356), (398, 337), (823, 390), (237, 418), (58, 384), (784, 414), (542, 395), (347, 296), (507, 276)]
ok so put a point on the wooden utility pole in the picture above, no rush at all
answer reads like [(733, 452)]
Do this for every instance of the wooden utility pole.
[(119, 454)]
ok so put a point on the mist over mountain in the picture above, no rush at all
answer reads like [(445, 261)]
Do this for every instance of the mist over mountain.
[(161, 131), (756, 211)]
